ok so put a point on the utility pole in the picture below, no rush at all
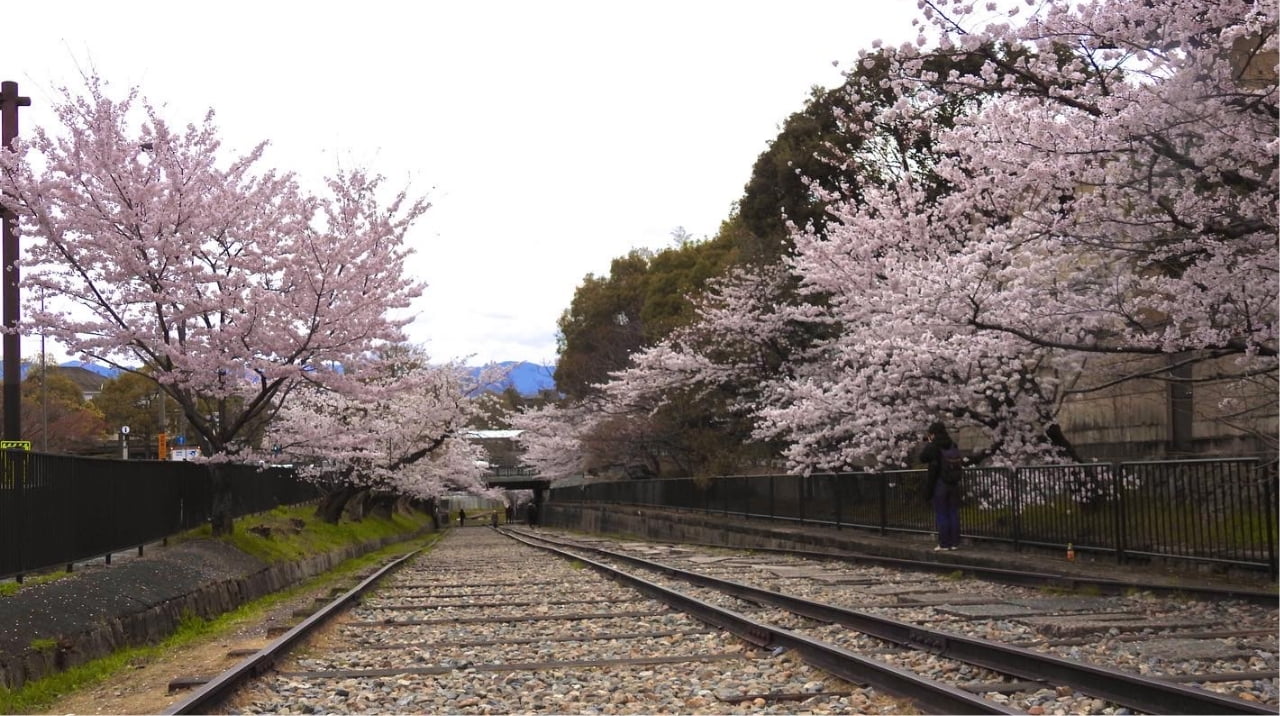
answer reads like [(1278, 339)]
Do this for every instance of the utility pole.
[(162, 440), (10, 101)]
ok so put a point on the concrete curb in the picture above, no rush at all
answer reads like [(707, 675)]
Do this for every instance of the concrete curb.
[(55, 626)]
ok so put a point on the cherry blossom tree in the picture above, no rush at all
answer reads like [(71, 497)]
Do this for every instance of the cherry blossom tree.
[(748, 332), (554, 438), (230, 284), (1051, 206), (1119, 193), (652, 416), (403, 434), (1113, 193)]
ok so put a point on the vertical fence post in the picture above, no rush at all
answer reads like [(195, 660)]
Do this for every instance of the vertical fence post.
[(1265, 474), (884, 503), (802, 488), (1014, 478), (773, 513), (1121, 516), (19, 479), (836, 483)]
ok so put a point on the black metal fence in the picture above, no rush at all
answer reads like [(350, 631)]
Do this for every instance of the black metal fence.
[(59, 509), (1213, 511)]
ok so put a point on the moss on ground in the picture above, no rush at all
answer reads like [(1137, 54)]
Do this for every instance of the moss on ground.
[(287, 534), (12, 587)]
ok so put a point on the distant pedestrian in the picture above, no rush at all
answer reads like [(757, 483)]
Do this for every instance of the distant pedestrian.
[(462, 517), (941, 455)]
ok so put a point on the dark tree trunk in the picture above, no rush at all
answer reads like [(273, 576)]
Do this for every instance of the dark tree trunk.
[(384, 505), (221, 518), (358, 505), (334, 504), (1059, 439), (434, 510)]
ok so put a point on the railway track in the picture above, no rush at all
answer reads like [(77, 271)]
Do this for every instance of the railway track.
[(1087, 651), (486, 624)]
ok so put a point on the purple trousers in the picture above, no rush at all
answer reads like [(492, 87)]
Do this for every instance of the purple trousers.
[(946, 514)]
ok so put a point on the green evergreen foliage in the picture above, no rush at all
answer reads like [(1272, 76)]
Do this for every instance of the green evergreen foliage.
[(132, 399), (55, 416), (644, 297), (777, 192)]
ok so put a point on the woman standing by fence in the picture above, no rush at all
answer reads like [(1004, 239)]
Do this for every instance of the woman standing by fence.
[(942, 456)]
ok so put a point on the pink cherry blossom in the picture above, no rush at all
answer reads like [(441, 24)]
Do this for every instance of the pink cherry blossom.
[(1095, 204), (154, 247)]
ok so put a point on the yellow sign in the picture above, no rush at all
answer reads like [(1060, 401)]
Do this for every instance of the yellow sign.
[(9, 469)]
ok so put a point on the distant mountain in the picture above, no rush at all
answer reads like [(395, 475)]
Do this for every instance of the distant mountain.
[(528, 379), (101, 370)]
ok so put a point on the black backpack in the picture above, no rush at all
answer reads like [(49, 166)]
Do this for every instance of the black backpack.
[(952, 465)]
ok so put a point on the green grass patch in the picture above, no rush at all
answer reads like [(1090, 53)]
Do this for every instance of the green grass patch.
[(44, 645), (37, 696), (287, 534), (10, 588)]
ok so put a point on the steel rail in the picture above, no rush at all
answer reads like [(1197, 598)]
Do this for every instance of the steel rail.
[(1103, 585), (221, 687), (930, 695), (1132, 690), (1038, 579)]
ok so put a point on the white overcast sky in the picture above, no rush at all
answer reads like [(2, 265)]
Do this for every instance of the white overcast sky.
[(550, 137)]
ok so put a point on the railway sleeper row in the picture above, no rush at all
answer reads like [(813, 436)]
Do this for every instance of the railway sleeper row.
[(450, 593), (1030, 671)]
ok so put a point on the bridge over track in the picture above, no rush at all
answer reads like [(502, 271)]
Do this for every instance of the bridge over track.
[(519, 478)]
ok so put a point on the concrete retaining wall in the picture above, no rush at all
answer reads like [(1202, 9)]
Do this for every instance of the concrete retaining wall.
[(69, 622)]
